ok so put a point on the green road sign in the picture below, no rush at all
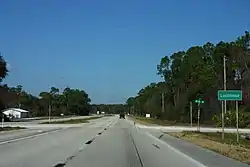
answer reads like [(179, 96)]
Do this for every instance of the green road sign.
[(199, 101), (231, 95)]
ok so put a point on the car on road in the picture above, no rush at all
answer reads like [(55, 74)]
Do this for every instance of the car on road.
[(122, 116)]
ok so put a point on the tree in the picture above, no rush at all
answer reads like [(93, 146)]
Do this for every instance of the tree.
[(70, 101), (196, 73)]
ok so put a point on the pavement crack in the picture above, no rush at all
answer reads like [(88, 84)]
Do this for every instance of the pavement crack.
[(60, 165), (160, 136), (89, 142), (136, 149), (156, 146), (99, 133), (71, 157), (74, 155)]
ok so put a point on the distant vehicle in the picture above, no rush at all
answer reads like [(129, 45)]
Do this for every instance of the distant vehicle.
[(122, 116)]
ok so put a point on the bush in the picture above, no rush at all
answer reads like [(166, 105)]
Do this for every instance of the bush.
[(230, 119)]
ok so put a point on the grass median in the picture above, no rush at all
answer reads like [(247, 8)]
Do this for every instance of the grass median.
[(8, 128), (228, 147), (72, 121)]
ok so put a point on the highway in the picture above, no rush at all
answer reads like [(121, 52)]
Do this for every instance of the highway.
[(108, 141)]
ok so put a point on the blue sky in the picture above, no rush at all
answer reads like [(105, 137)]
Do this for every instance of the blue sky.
[(108, 48)]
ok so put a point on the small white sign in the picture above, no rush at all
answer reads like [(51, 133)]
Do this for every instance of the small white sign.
[(147, 115)]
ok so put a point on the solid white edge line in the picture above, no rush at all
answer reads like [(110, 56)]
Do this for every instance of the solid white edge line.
[(29, 137), (177, 151)]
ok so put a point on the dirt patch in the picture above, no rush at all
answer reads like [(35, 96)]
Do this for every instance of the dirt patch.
[(212, 141)]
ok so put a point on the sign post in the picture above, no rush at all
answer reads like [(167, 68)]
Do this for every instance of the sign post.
[(2, 120), (230, 95), (198, 101), (222, 120), (237, 120)]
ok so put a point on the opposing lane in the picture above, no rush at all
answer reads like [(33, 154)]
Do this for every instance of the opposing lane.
[(50, 149)]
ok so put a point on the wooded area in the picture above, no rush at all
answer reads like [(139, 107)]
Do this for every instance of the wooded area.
[(197, 73), (110, 108), (68, 102)]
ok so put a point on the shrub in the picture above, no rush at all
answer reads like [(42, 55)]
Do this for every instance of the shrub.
[(230, 119)]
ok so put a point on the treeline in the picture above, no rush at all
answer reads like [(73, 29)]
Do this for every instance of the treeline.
[(110, 108), (68, 102), (197, 73)]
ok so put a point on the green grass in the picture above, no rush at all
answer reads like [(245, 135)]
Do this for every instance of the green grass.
[(72, 121), (229, 138), (108, 115), (145, 120), (227, 147), (10, 128), (148, 121)]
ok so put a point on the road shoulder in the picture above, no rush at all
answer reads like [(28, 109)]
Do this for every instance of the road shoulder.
[(207, 157)]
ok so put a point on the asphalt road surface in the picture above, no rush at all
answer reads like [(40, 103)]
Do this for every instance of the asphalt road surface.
[(108, 141)]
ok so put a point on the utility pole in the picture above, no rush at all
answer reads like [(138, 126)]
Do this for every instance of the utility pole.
[(49, 111), (162, 102), (198, 123), (191, 113), (224, 108), (225, 81)]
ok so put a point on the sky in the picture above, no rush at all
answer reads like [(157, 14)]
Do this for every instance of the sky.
[(108, 48)]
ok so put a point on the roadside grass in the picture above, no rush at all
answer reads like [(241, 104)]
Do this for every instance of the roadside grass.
[(154, 121), (71, 121), (8, 128), (229, 147), (108, 115)]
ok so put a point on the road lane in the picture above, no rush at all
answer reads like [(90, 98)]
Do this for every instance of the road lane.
[(108, 141), (113, 148), (10, 136), (49, 150), (123, 145), (37, 129)]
